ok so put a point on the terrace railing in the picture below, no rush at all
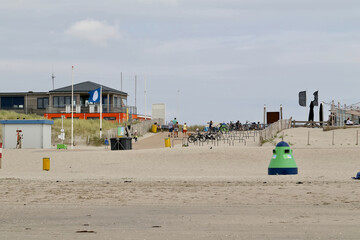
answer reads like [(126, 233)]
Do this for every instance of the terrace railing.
[(93, 109)]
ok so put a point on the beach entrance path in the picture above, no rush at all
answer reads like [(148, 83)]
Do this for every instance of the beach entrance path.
[(155, 141)]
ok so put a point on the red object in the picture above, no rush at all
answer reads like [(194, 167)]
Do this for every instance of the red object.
[(0, 150), (118, 117)]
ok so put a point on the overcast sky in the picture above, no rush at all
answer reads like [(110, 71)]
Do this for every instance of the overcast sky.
[(205, 59)]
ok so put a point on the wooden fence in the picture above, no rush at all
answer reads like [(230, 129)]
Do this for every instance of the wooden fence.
[(273, 129)]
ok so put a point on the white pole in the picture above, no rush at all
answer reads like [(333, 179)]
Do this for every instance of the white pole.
[(72, 108), (100, 111), (145, 95), (121, 81), (178, 105)]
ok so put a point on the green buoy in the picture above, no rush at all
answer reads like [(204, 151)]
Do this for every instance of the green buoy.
[(282, 161)]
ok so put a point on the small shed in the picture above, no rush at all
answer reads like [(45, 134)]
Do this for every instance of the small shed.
[(32, 133)]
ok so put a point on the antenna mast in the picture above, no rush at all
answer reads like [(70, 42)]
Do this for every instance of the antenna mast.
[(53, 80)]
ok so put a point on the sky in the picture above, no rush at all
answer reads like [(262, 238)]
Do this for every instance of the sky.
[(205, 59)]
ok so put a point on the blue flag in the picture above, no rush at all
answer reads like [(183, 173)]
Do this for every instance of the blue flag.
[(94, 96)]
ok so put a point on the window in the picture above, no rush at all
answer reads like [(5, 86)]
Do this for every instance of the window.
[(61, 101), (42, 103), (110, 118), (12, 102), (118, 102)]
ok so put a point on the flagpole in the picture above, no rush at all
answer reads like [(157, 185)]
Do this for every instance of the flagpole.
[(100, 111), (145, 95), (72, 108)]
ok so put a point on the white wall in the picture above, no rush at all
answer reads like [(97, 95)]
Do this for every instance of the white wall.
[(34, 135)]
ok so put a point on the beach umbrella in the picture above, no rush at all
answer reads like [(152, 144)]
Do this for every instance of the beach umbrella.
[(311, 113)]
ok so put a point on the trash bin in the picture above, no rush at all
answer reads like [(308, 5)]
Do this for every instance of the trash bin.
[(115, 143), (125, 143), (167, 142), (154, 128), (46, 164)]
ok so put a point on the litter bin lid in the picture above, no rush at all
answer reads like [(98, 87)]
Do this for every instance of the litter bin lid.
[(282, 144)]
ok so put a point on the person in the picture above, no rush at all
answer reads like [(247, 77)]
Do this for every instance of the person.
[(176, 129), (136, 135), (18, 140), (237, 125), (211, 126), (171, 128), (106, 143), (184, 130), (174, 121), (349, 122)]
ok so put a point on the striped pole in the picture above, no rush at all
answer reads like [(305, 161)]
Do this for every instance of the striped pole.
[(0, 153)]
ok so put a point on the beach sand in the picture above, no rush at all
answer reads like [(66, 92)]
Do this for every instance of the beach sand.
[(195, 192)]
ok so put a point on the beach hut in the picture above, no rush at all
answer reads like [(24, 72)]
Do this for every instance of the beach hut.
[(26, 133)]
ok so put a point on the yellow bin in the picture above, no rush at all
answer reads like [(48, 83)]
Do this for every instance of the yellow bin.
[(46, 164), (167, 142), (154, 128)]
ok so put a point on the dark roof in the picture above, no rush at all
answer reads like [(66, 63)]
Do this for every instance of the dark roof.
[(23, 93), (87, 87)]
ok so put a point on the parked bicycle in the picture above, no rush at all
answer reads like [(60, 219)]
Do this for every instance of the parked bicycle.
[(195, 137)]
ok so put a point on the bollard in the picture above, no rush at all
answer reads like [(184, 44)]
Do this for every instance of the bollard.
[(46, 164)]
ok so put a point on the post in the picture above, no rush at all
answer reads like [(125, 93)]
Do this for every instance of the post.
[(332, 113), (100, 112), (308, 138), (135, 90), (108, 103), (264, 114), (339, 112), (145, 96), (178, 104), (72, 108), (333, 137), (0, 154), (357, 137), (121, 80)]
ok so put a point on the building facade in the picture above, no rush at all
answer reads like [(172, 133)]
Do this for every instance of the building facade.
[(57, 103)]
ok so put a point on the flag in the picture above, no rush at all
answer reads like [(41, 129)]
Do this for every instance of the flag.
[(302, 98), (94, 96), (316, 98)]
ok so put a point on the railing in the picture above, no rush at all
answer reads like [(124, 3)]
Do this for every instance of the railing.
[(93, 109), (309, 124), (273, 129), (142, 128)]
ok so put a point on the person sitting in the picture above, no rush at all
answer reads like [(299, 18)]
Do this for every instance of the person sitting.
[(349, 122)]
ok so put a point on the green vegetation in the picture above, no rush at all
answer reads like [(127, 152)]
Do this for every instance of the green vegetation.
[(82, 128), (194, 127), (269, 140), (11, 115)]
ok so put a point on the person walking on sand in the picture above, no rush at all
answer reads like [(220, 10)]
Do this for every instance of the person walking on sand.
[(171, 128), (176, 130), (135, 135), (184, 130)]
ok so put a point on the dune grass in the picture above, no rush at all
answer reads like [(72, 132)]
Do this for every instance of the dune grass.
[(82, 128), (194, 127)]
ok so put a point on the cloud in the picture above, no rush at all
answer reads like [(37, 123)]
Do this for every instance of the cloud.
[(93, 31)]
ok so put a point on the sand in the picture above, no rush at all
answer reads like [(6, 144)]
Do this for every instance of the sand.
[(195, 192)]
